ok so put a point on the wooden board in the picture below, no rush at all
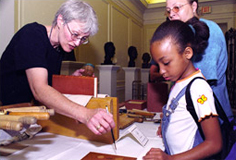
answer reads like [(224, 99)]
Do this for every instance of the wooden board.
[(102, 156), (60, 124), (63, 125), (75, 84), (125, 121)]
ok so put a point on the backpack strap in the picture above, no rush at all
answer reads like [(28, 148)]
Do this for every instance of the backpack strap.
[(192, 111), (190, 107)]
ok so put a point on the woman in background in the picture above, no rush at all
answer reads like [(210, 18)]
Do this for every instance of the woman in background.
[(213, 61)]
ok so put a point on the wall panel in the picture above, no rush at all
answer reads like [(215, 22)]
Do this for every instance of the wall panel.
[(41, 11), (119, 35), (93, 52), (137, 41), (148, 33)]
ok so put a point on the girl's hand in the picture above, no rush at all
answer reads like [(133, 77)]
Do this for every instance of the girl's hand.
[(156, 154), (159, 131), (159, 128)]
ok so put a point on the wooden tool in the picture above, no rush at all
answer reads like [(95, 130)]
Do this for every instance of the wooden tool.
[(16, 105), (22, 119), (25, 108), (11, 125), (37, 115), (126, 120), (31, 109), (141, 112)]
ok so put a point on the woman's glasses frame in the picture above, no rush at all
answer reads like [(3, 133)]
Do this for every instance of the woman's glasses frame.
[(76, 37), (174, 9)]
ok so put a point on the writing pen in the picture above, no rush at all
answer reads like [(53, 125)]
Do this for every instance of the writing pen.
[(112, 134)]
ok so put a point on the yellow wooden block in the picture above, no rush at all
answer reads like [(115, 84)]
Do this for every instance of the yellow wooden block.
[(66, 126)]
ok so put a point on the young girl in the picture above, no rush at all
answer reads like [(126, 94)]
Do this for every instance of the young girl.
[(172, 47)]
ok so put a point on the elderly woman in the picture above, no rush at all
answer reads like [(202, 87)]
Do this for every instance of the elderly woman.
[(35, 53)]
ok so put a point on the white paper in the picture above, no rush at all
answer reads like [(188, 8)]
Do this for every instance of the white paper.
[(103, 95), (80, 99), (136, 133)]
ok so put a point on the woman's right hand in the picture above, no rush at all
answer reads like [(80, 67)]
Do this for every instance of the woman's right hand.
[(100, 121)]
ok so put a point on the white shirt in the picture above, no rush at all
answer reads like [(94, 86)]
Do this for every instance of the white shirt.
[(182, 128)]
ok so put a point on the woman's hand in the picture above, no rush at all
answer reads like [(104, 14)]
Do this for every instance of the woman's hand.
[(99, 121), (156, 154), (78, 72), (85, 71)]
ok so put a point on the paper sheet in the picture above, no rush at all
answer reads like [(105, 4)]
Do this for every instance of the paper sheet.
[(83, 99), (80, 99)]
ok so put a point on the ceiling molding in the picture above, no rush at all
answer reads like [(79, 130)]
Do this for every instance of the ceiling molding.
[(163, 4), (132, 7)]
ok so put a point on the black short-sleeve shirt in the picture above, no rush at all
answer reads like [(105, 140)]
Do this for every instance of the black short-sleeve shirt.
[(30, 47)]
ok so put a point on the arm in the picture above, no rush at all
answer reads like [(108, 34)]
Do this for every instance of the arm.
[(154, 73), (211, 145), (86, 70), (37, 78), (159, 128)]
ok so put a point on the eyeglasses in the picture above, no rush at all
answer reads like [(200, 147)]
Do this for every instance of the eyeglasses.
[(75, 36), (174, 9)]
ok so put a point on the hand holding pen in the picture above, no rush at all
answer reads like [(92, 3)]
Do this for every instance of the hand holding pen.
[(100, 121)]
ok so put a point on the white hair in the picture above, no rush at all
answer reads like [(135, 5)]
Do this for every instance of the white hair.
[(81, 11)]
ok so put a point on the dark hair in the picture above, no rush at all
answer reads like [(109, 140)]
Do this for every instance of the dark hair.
[(202, 34), (146, 57), (132, 51), (184, 35), (109, 49)]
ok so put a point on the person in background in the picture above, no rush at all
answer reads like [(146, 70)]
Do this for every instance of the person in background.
[(133, 54), (35, 53), (109, 49), (172, 46), (146, 59), (87, 70), (154, 75), (213, 61)]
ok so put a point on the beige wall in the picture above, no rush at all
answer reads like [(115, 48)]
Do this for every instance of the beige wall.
[(6, 23), (115, 25), (41, 11)]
